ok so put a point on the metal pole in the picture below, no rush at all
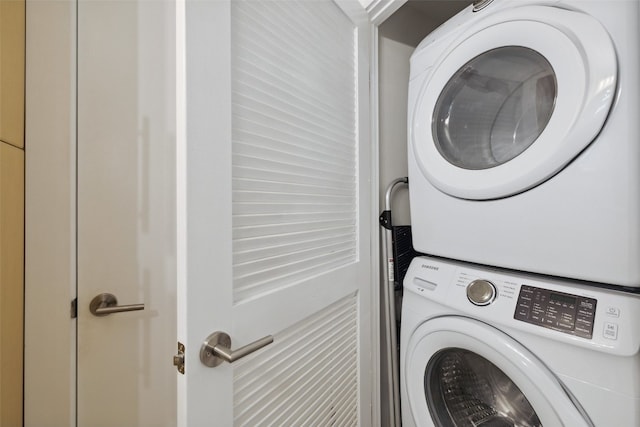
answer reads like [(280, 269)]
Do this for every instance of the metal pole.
[(389, 304)]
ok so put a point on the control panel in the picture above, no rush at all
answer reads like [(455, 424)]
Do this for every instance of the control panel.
[(571, 314), (584, 315)]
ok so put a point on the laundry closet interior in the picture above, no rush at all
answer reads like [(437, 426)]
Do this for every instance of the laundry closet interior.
[(398, 36), (519, 118)]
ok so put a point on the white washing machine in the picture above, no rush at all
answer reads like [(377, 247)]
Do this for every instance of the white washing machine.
[(524, 136), (482, 347)]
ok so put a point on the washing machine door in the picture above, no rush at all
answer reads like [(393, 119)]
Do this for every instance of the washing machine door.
[(461, 372), (513, 100)]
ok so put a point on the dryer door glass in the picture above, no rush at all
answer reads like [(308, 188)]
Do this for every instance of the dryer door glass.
[(464, 389), (494, 107)]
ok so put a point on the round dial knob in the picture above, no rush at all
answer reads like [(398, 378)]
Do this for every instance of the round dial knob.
[(481, 292)]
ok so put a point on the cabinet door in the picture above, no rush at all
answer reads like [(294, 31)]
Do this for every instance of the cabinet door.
[(11, 283), (12, 71), (126, 211), (274, 213)]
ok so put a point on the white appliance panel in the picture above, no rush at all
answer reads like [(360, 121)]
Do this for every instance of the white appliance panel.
[(581, 220), (584, 381)]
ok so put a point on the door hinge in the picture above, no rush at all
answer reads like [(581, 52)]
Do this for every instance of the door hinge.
[(178, 359), (74, 308)]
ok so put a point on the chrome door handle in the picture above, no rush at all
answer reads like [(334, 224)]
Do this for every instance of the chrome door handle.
[(104, 304), (217, 349)]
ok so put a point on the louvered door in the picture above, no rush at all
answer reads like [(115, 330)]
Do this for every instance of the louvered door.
[(275, 211)]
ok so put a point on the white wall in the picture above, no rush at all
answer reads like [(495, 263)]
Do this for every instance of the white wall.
[(399, 35), (393, 78)]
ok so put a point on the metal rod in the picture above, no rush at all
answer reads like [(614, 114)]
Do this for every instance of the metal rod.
[(390, 309), (387, 329), (118, 309), (391, 189), (232, 355)]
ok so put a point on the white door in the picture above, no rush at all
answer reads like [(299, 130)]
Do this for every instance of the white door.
[(126, 212), (275, 212), (271, 180)]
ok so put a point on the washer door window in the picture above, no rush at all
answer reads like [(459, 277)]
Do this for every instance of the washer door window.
[(460, 372), (494, 119), (465, 389)]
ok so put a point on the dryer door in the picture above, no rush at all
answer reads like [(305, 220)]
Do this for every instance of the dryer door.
[(464, 373), (513, 100)]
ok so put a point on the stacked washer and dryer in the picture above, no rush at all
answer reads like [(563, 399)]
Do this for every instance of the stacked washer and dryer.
[(524, 171)]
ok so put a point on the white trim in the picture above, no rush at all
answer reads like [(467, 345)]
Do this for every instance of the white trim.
[(181, 193), (375, 230), (50, 214), (206, 229), (381, 10)]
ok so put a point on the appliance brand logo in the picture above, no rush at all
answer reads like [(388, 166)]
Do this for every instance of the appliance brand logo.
[(430, 267)]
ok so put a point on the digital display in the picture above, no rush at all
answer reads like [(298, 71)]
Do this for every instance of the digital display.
[(562, 298)]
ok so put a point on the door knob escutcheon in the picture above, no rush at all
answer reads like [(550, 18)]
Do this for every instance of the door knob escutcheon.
[(217, 349)]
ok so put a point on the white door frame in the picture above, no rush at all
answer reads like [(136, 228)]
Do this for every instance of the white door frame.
[(50, 236)]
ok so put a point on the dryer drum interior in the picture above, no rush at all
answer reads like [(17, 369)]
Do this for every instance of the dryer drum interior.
[(494, 107), (464, 389)]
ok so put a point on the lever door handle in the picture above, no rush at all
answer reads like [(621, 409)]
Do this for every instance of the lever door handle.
[(104, 304), (217, 349)]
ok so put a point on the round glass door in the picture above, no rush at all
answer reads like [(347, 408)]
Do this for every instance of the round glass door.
[(494, 107), (511, 101), (464, 389), (460, 372)]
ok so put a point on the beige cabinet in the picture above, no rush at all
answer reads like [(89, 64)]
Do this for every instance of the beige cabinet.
[(12, 51), (12, 42), (11, 283)]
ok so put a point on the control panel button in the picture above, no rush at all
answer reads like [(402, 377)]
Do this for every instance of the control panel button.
[(481, 292), (613, 311), (423, 284), (610, 331)]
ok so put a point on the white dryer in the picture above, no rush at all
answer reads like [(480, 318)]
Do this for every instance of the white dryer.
[(524, 138), (482, 347)]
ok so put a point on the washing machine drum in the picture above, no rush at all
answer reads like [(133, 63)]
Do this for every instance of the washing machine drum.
[(511, 101), (465, 389), (459, 372)]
